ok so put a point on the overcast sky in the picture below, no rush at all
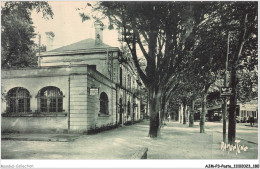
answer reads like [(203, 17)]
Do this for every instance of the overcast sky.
[(68, 27)]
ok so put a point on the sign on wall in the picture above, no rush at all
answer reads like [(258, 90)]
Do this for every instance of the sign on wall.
[(93, 91)]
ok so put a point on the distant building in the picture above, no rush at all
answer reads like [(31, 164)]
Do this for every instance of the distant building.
[(243, 111), (75, 88), (214, 113)]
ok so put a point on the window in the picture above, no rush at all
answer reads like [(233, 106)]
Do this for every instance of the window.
[(128, 108), (50, 99), (18, 100), (243, 113), (249, 113), (129, 81), (121, 106), (121, 76), (103, 103)]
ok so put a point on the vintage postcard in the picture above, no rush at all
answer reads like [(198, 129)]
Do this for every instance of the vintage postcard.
[(129, 84)]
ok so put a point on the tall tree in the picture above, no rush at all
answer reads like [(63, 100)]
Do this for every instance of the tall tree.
[(161, 30), (240, 18), (206, 62), (17, 32), (176, 36)]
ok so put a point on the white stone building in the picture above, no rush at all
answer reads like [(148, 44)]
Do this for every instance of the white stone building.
[(75, 88)]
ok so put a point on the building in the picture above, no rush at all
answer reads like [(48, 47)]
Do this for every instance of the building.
[(214, 113), (243, 111), (75, 88), (247, 110)]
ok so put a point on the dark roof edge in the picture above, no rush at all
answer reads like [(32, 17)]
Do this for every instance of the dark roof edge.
[(82, 51)]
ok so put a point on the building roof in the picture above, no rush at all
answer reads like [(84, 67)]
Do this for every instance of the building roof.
[(81, 45)]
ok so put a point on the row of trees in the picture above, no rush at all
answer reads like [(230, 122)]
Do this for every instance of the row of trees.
[(185, 44)]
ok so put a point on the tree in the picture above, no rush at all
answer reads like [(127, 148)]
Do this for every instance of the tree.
[(184, 94), (206, 61), (240, 18), (178, 36), (161, 30), (247, 85), (17, 31)]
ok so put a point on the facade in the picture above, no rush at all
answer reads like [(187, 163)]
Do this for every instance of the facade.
[(243, 112), (214, 113), (75, 88)]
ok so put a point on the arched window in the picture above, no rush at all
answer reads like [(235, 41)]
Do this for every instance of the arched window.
[(50, 99), (103, 103), (128, 108), (18, 100)]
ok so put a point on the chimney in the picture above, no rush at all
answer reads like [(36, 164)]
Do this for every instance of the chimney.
[(98, 32), (49, 40)]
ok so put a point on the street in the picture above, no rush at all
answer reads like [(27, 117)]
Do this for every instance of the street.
[(177, 141)]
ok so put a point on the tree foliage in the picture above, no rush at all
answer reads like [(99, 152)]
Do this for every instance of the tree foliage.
[(17, 32), (163, 32), (184, 40), (241, 19)]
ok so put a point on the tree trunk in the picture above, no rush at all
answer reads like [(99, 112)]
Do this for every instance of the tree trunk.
[(191, 118), (154, 101), (184, 112), (232, 108), (181, 114), (233, 84), (203, 113), (163, 109)]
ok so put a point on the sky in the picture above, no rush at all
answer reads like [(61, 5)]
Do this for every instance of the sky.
[(68, 27)]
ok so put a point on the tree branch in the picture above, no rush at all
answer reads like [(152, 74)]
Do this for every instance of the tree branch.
[(142, 47), (241, 42), (137, 65)]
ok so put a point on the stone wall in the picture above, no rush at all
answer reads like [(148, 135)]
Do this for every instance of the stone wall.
[(81, 111), (34, 80), (94, 117), (98, 59), (78, 103), (34, 124)]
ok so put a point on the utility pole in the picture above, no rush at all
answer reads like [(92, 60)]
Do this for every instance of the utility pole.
[(225, 97)]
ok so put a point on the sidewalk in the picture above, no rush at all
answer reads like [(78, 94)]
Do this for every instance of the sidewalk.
[(177, 141)]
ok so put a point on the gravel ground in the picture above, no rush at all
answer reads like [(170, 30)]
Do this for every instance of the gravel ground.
[(177, 141)]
